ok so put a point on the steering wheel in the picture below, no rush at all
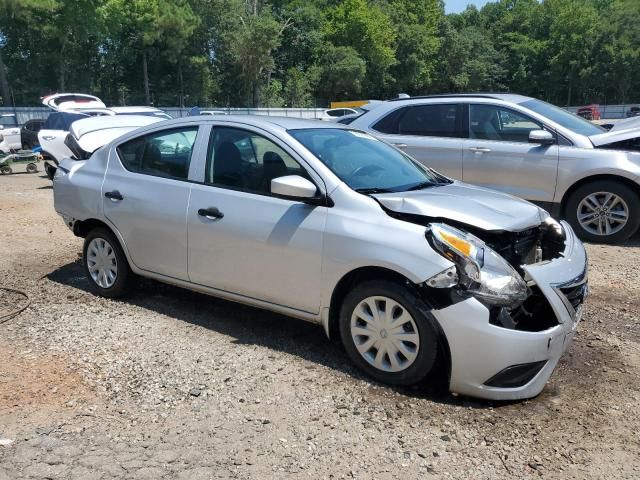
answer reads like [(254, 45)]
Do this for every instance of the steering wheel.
[(364, 170)]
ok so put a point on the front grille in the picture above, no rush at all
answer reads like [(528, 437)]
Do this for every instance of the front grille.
[(575, 294)]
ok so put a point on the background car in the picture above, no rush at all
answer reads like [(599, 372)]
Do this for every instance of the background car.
[(633, 111), (525, 147), (9, 133), (144, 111), (60, 102), (414, 272), (334, 114), (53, 133), (590, 112), (29, 133)]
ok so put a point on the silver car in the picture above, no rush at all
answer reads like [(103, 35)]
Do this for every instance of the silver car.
[(414, 272), (524, 147)]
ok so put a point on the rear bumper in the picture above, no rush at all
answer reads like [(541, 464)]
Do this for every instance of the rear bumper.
[(481, 350)]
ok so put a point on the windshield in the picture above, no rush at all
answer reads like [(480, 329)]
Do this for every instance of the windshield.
[(562, 117), (365, 163)]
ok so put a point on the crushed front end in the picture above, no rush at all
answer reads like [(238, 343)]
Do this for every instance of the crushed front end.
[(508, 325)]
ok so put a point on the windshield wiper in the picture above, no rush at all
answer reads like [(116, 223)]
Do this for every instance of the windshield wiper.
[(372, 190), (422, 185)]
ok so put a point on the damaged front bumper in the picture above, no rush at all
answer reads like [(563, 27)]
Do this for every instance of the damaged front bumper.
[(493, 362)]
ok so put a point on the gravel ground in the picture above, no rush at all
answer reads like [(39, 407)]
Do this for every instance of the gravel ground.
[(173, 384)]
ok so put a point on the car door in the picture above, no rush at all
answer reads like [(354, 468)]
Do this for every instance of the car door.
[(430, 133), (145, 196), (250, 242), (498, 154)]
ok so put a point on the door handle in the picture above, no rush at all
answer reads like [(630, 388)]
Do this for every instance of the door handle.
[(48, 137), (400, 145), (114, 195), (480, 149), (210, 213)]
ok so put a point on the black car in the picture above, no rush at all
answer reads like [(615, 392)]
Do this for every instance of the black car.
[(633, 112), (29, 133)]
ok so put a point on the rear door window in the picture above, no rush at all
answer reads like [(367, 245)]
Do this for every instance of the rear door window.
[(433, 120), (162, 154)]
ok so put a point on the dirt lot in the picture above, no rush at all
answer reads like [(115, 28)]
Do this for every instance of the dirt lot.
[(173, 384)]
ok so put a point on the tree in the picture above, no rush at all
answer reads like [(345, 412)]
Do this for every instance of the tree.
[(417, 47), (250, 47), (366, 28), (298, 89), (342, 72)]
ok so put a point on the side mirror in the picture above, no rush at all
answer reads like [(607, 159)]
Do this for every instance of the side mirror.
[(541, 137), (293, 187)]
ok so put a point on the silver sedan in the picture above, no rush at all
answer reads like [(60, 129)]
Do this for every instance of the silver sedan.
[(417, 274)]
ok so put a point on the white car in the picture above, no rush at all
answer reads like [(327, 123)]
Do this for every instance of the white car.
[(10, 138), (62, 102), (212, 112), (86, 134), (145, 111), (334, 114), (53, 133)]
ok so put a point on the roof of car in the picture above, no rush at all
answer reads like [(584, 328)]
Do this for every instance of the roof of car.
[(287, 123), (507, 97)]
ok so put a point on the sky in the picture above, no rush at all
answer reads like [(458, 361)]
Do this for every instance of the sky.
[(456, 6)]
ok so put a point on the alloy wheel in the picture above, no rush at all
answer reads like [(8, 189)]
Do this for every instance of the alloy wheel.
[(603, 213), (385, 334), (102, 263)]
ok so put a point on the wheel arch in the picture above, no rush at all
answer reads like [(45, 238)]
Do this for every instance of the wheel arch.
[(81, 228), (594, 178), (352, 278)]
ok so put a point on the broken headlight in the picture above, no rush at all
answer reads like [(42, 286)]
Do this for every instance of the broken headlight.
[(481, 271)]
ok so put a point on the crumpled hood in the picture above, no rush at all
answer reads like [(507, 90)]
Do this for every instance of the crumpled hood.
[(614, 136), (476, 206)]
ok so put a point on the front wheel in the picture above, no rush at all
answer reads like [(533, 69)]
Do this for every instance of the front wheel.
[(604, 211), (32, 168), (105, 264), (388, 333)]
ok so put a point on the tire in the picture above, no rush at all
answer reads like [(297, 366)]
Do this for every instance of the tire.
[(407, 371), (590, 197), (32, 168), (5, 170), (110, 255)]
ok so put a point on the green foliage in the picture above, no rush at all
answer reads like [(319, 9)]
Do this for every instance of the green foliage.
[(303, 53)]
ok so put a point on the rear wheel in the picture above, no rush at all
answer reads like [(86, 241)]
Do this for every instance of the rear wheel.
[(32, 168), (5, 170), (388, 333), (105, 264), (604, 211)]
